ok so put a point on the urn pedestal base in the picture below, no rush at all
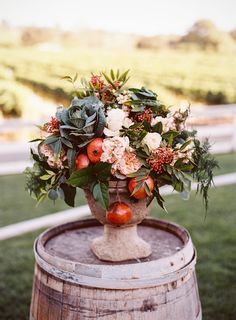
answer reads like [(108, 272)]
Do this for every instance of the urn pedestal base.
[(120, 244)]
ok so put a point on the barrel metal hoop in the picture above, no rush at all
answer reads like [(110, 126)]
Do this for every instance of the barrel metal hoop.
[(109, 283)]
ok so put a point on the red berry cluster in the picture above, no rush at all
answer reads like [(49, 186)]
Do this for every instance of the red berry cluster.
[(97, 82), (52, 126), (159, 157), (107, 97), (145, 115)]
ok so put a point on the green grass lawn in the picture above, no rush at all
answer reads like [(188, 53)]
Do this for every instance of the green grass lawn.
[(227, 163), (16, 204), (214, 238)]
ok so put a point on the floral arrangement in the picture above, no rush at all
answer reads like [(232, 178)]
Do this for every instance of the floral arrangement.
[(111, 133)]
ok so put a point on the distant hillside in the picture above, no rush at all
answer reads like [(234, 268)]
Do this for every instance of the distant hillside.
[(203, 35)]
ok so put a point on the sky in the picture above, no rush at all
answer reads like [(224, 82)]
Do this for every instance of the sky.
[(146, 17)]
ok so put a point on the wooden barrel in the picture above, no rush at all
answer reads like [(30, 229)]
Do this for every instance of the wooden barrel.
[(71, 283)]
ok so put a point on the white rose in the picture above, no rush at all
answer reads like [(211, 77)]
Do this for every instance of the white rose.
[(184, 106), (127, 122), (115, 118), (167, 123), (156, 120), (152, 140)]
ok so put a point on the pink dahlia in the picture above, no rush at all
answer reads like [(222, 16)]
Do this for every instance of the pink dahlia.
[(129, 163)]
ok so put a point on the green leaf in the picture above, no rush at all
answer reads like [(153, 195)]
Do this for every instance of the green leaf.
[(41, 198), (66, 142), (45, 177), (149, 200), (184, 145), (34, 155), (68, 78), (81, 178), (147, 190), (178, 186), (69, 194), (75, 77), (109, 80), (169, 136), (36, 140), (101, 194), (143, 172), (71, 153), (138, 186), (57, 147), (123, 76), (102, 170), (50, 172), (186, 167), (112, 75), (53, 180), (159, 198), (51, 139), (158, 127), (144, 94)]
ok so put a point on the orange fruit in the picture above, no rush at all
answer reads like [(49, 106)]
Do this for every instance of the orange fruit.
[(81, 161), (141, 193), (119, 213), (94, 150)]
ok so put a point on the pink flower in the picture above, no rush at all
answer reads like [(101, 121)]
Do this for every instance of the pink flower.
[(116, 150), (97, 82), (52, 160), (129, 163)]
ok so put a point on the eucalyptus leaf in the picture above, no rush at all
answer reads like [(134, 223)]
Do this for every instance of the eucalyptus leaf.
[(57, 147), (45, 177), (51, 139)]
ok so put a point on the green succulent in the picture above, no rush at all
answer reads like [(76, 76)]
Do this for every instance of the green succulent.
[(82, 121)]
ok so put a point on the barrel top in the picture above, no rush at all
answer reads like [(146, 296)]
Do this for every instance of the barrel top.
[(74, 245), (65, 249)]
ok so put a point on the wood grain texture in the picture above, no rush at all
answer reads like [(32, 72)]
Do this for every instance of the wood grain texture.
[(60, 294)]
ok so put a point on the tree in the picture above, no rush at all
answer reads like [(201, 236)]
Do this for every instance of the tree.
[(206, 35), (233, 34), (33, 35)]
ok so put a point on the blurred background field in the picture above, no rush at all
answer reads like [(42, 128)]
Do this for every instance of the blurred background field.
[(198, 67), (185, 51)]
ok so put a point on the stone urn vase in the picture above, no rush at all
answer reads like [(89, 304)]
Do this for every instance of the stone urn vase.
[(119, 242)]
